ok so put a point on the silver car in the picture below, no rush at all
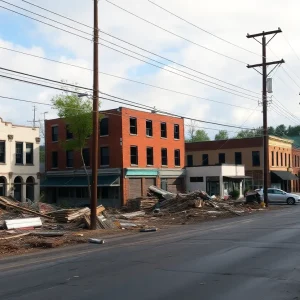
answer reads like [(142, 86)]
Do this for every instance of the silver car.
[(279, 196)]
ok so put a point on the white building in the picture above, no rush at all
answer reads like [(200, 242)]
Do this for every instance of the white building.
[(19, 161), (217, 180)]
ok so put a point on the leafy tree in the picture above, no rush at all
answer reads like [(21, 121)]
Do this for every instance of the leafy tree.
[(281, 130), (200, 136), (222, 135), (247, 133), (293, 131), (271, 130), (77, 113)]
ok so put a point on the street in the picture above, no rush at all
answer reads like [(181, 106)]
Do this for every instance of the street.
[(252, 257)]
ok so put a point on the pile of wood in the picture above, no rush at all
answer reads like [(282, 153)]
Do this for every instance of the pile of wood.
[(68, 215), (148, 204), (141, 204)]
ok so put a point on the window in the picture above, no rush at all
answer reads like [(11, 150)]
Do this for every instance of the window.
[(19, 153), (63, 192), (133, 126), (289, 160), (238, 158), (295, 164), (278, 192), (104, 193), (2, 152), (177, 157), (104, 127), (134, 159), (164, 157), (149, 156), (205, 159), (29, 153), (70, 159), (285, 161), (255, 158), (190, 161), (272, 153), (277, 159), (54, 133), (82, 192), (196, 179), (69, 134), (281, 159), (176, 132), (221, 158), (104, 156), (86, 156), (54, 159), (163, 130), (149, 131)]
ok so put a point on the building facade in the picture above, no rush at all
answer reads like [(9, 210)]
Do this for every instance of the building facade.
[(19, 162), (248, 152), (136, 149), (216, 180)]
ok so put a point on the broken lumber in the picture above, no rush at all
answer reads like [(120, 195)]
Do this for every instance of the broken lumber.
[(15, 236), (100, 209), (47, 234), (23, 223)]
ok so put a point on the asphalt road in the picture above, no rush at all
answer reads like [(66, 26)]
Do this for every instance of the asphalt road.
[(253, 257)]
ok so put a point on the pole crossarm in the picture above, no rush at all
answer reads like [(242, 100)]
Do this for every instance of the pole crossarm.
[(267, 64), (264, 33)]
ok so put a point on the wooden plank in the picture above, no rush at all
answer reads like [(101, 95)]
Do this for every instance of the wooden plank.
[(23, 223), (15, 236), (100, 209)]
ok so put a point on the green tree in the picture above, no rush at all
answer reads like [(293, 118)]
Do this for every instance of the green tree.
[(77, 113), (200, 136), (247, 133), (281, 130), (222, 135)]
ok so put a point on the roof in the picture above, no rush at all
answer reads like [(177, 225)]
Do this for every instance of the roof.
[(285, 175), (296, 140), (79, 181)]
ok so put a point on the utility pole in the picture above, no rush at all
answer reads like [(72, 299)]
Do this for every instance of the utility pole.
[(34, 120), (265, 75), (95, 122)]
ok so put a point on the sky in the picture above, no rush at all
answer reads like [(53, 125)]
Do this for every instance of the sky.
[(229, 20)]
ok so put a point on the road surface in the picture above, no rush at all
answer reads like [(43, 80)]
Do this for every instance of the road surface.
[(252, 257)]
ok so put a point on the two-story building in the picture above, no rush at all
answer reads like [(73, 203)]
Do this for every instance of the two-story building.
[(136, 149), (247, 152), (19, 162)]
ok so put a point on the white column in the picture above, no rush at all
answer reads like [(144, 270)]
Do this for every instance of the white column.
[(37, 191), (23, 187), (221, 187)]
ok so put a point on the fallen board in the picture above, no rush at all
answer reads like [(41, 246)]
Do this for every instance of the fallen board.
[(23, 223)]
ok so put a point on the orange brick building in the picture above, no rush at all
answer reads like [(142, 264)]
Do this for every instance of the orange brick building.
[(136, 149)]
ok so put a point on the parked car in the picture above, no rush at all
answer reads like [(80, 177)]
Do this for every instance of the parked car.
[(279, 196)]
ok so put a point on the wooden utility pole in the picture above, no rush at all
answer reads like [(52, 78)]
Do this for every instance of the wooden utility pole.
[(265, 75), (94, 198)]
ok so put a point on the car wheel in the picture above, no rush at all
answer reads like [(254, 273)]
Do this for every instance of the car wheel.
[(290, 201)]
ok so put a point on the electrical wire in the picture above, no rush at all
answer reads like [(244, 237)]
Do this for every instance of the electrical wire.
[(204, 30), (131, 44), (163, 68), (123, 78)]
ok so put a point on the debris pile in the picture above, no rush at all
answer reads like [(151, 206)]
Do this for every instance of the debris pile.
[(145, 204)]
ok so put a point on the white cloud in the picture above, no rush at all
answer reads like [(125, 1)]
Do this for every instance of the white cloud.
[(231, 20)]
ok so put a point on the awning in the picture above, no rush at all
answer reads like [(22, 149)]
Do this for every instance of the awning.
[(285, 175), (80, 181), (238, 177)]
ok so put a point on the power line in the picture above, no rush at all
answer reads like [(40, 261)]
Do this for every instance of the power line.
[(291, 47), (163, 68), (204, 30), (166, 30), (126, 102), (131, 44), (123, 78)]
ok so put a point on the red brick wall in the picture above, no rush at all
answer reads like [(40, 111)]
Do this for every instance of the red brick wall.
[(142, 141), (112, 141), (296, 169)]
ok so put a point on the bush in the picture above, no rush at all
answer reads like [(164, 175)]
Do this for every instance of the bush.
[(235, 194)]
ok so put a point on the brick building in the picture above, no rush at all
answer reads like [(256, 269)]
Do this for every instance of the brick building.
[(136, 149), (248, 152)]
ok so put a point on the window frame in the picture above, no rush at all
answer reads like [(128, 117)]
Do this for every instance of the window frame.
[(236, 160), (192, 159), (253, 159), (22, 153), (176, 132), (84, 151), (102, 124), (163, 131), (52, 156), (3, 153), (68, 159), (104, 159), (31, 162), (136, 155), (177, 160), (149, 128), (197, 179), (150, 156), (53, 127), (69, 134), (221, 156), (133, 126), (205, 161), (164, 158)]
